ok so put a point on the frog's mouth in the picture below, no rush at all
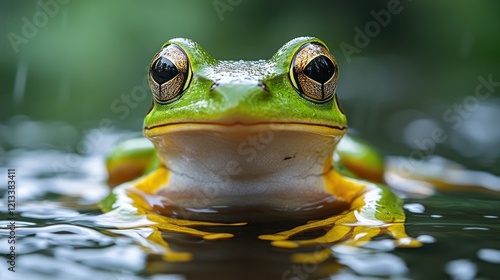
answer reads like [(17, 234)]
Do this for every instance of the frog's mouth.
[(276, 164), (235, 127)]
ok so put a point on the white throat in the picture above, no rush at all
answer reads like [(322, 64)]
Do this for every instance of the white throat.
[(237, 165)]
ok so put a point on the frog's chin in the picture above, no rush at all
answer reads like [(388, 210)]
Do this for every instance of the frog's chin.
[(279, 165)]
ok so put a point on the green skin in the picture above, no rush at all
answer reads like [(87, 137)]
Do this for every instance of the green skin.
[(239, 99)]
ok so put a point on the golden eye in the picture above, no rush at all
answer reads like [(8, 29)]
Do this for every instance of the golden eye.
[(169, 74), (314, 73)]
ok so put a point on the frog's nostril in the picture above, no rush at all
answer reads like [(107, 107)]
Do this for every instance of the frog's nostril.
[(214, 86), (263, 86)]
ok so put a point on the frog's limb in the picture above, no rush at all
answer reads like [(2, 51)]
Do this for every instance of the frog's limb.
[(181, 226), (127, 207), (130, 159), (184, 226), (356, 157), (374, 211), (148, 185), (360, 235)]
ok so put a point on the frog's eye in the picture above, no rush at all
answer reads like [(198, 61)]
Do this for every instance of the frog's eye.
[(169, 74), (314, 73)]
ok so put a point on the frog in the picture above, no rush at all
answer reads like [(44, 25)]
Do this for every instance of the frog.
[(237, 136)]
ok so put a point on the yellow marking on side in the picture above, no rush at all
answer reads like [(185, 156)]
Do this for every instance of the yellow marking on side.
[(139, 203), (153, 181), (344, 188)]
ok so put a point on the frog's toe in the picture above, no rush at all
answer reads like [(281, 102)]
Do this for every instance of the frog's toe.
[(312, 225), (401, 239), (333, 235), (336, 233), (273, 237), (285, 244), (342, 229), (214, 236), (185, 226), (364, 234)]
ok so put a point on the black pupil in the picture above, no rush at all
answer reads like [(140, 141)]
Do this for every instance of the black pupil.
[(320, 69), (163, 70)]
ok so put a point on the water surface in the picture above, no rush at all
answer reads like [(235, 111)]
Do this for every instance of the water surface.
[(62, 234)]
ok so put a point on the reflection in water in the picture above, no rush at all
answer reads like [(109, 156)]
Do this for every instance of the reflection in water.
[(61, 232), (478, 135), (471, 132)]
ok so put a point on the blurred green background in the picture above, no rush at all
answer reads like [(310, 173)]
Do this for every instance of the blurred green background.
[(67, 65)]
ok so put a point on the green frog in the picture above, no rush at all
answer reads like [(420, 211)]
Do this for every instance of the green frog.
[(231, 142)]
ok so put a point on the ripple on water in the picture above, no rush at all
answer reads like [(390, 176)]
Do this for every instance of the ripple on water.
[(32, 239), (43, 267), (45, 210), (73, 250), (117, 257)]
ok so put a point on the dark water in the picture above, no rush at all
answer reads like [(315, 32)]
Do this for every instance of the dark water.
[(60, 233)]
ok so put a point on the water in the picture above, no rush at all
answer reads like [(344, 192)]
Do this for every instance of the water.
[(61, 233)]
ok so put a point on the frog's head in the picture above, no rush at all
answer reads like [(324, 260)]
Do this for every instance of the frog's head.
[(296, 88), (278, 118)]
